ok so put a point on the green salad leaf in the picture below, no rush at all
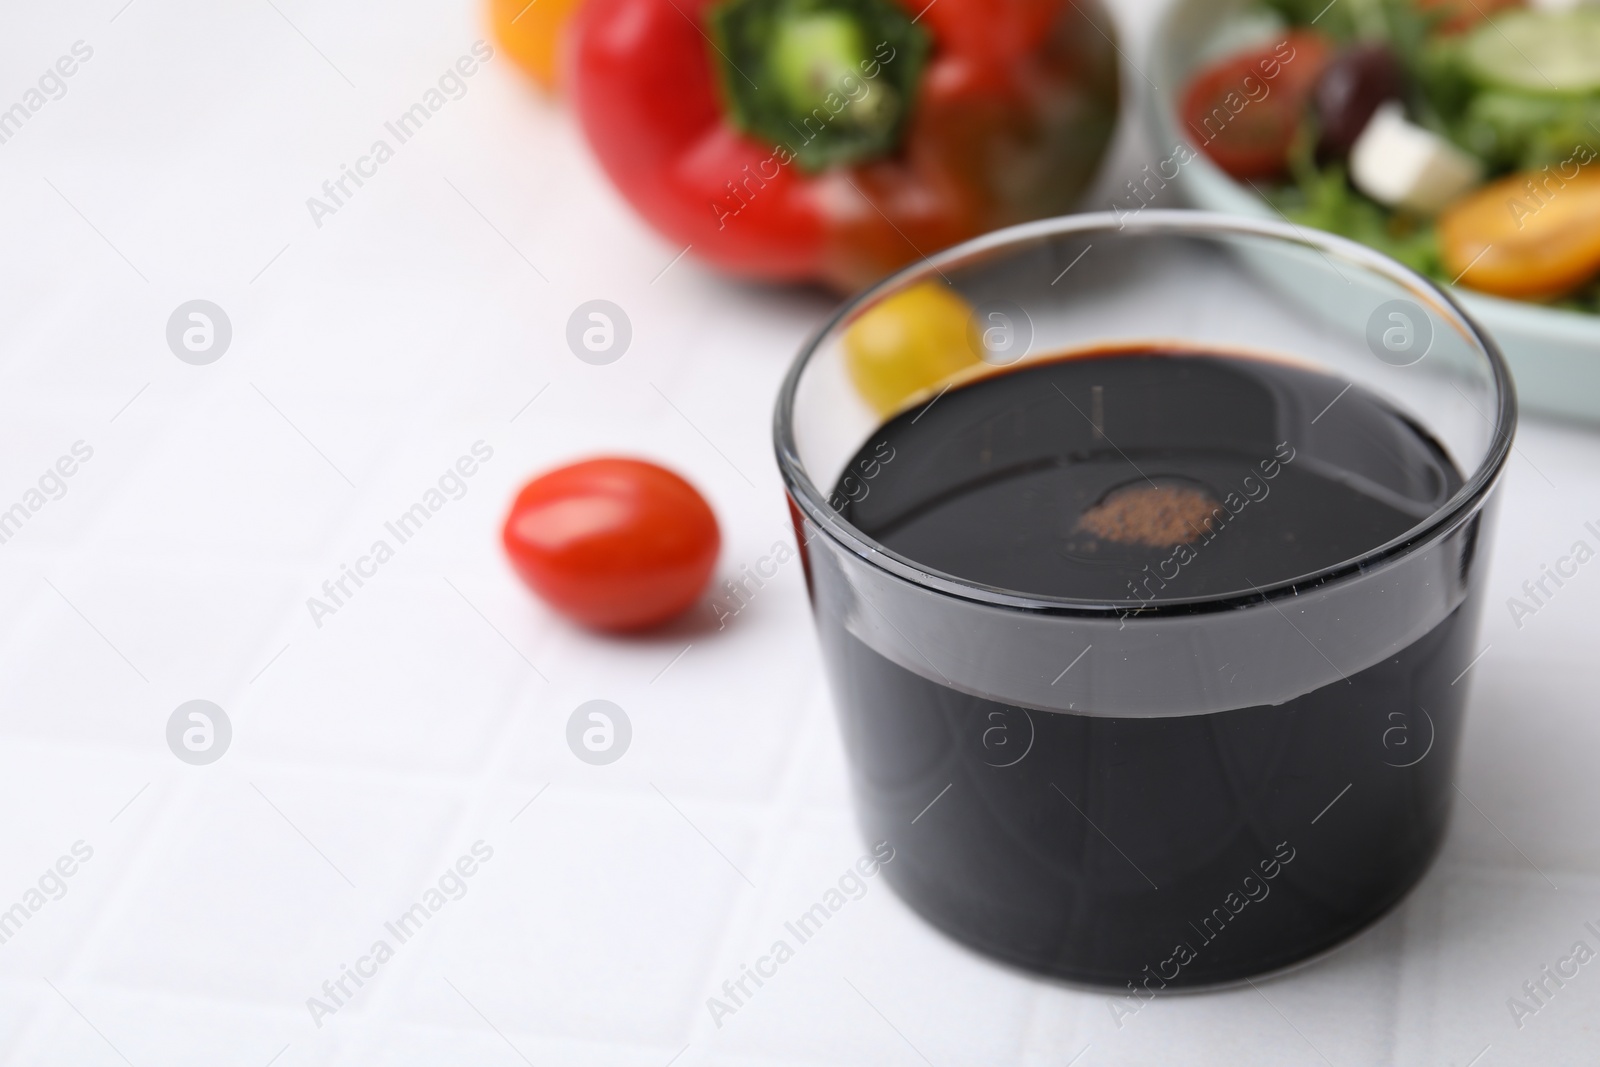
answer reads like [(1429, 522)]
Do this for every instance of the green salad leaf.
[(1324, 199), (1442, 88), (1525, 131), (1335, 19)]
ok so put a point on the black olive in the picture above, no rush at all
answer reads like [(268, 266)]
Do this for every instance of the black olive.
[(1350, 89)]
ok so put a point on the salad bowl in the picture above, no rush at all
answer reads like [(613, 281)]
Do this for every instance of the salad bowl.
[(1554, 353)]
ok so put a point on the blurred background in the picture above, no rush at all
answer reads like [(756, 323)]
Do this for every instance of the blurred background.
[(371, 755)]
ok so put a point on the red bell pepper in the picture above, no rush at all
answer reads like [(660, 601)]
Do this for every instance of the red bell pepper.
[(837, 140)]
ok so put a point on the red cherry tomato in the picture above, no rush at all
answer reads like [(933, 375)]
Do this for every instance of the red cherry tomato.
[(1243, 111), (616, 544)]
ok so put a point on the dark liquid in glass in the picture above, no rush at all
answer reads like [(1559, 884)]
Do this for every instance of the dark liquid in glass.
[(1172, 851)]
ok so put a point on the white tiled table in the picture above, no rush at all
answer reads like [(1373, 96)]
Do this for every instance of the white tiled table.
[(372, 751)]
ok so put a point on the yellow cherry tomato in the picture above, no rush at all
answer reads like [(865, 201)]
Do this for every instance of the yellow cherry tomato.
[(909, 344), (1528, 236), (530, 32)]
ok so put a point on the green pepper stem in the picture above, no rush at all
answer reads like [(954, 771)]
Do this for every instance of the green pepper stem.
[(832, 81)]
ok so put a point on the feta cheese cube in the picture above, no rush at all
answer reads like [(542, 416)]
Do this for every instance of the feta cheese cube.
[(1398, 163)]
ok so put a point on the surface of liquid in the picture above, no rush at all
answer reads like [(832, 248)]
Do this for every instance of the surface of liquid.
[(1162, 852), (994, 482)]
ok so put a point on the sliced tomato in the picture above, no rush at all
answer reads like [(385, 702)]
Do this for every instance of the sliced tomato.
[(1243, 111), (1528, 236)]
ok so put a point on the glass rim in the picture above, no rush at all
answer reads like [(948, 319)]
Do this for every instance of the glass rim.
[(1466, 500)]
